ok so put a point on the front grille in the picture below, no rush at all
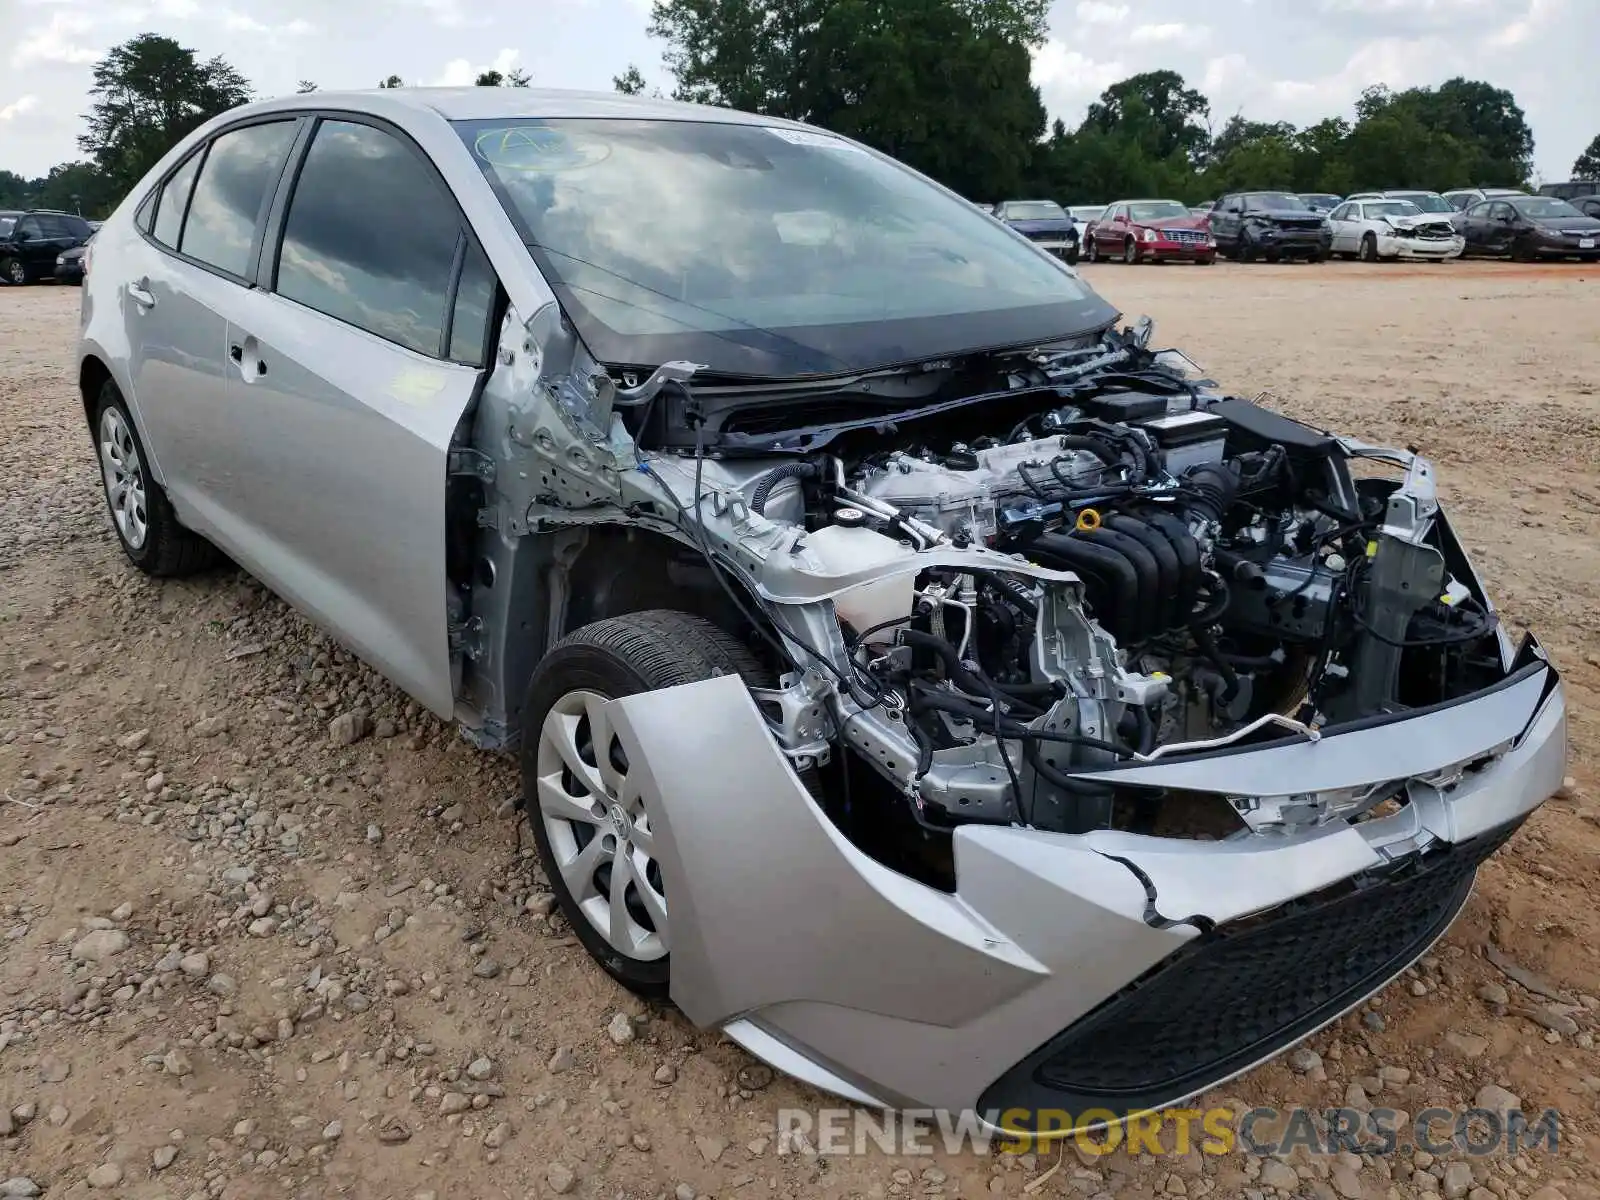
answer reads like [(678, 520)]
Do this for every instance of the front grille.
[(1245, 990), (1059, 236), (1433, 233)]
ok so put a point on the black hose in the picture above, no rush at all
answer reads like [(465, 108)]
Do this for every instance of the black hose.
[(1221, 597), (924, 748), (1089, 445), (791, 470), (1208, 647), (971, 679), (976, 712), (1147, 728)]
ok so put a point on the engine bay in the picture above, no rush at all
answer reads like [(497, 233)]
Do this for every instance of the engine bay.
[(1234, 580), (981, 582)]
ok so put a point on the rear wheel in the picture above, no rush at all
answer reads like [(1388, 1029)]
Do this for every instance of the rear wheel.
[(593, 816), (14, 271), (1094, 250), (149, 530)]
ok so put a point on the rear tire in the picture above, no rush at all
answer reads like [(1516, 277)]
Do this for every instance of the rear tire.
[(151, 535), (1093, 251), (609, 660)]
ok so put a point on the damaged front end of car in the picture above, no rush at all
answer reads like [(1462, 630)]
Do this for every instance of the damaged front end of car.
[(1129, 730)]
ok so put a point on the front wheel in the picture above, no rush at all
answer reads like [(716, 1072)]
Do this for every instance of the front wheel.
[(14, 271), (594, 818), (1130, 252), (1369, 249)]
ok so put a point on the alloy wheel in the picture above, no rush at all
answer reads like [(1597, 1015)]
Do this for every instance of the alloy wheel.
[(124, 476), (600, 834), (15, 272)]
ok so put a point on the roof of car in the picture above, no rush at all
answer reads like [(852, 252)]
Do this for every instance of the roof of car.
[(494, 103)]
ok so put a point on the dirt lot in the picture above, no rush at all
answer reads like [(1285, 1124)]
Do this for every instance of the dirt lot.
[(240, 960)]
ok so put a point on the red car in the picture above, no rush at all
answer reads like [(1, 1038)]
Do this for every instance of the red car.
[(1151, 231)]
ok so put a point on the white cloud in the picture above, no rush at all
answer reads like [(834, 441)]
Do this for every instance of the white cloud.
[(58, 42), (1539, 13), (1100, 12), (459, 72), (1068, 80), (1169, 31), (19, 106)]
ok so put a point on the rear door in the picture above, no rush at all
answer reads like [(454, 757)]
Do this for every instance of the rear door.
[(195, 262), (1341, 219), (348, 371), (1226, 220)]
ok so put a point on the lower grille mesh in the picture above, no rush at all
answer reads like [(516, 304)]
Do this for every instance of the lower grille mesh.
[(1246, 989)]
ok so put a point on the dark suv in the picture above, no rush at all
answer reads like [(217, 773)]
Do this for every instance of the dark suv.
[(30, 241), (1269, 225)]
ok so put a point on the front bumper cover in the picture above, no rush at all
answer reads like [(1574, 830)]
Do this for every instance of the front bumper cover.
[(874, 986)]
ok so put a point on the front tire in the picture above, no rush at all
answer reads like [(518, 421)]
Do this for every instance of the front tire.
[(1130, 252), (1369, 249), (14, 271), (149, 530), (592, 819)]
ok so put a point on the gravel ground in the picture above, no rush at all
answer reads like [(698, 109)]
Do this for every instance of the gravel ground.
[(240, 959)]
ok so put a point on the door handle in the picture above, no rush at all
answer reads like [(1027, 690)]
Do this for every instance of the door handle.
[(141, 295), (236, 353)]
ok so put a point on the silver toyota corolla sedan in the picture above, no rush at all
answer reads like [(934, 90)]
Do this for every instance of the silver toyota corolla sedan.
[(917, 674)]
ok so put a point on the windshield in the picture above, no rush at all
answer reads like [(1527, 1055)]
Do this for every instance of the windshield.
[(1544, 206), (1322, 198), (1275, 200), (1087, 212), (1156, 210), (765, 252), (1034, 210), (1391, 208)]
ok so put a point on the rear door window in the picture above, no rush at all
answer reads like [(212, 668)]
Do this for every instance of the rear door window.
[(173, 202), (240, 171), (371, 237)]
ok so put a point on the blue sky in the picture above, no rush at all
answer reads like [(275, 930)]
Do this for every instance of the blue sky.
[(1295, 60)]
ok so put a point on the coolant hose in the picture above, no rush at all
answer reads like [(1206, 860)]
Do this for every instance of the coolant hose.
[(792, 470)]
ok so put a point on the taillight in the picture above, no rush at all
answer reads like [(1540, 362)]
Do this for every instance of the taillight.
[(88, 256)]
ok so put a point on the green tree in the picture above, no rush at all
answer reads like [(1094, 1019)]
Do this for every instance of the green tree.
[(512, 78), (630, 82), (1587, 164), (1251, 154), (149, 93), (15, 191), (942, 84), (1158, 110)]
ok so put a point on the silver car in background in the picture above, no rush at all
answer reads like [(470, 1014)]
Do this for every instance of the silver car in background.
[(916, 674)]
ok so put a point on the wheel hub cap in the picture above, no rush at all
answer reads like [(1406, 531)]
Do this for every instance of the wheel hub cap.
[(124, 477), (594, 815)]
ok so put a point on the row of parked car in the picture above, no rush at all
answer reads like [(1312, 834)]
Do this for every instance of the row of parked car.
[(42, 243), (1396, 224)]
